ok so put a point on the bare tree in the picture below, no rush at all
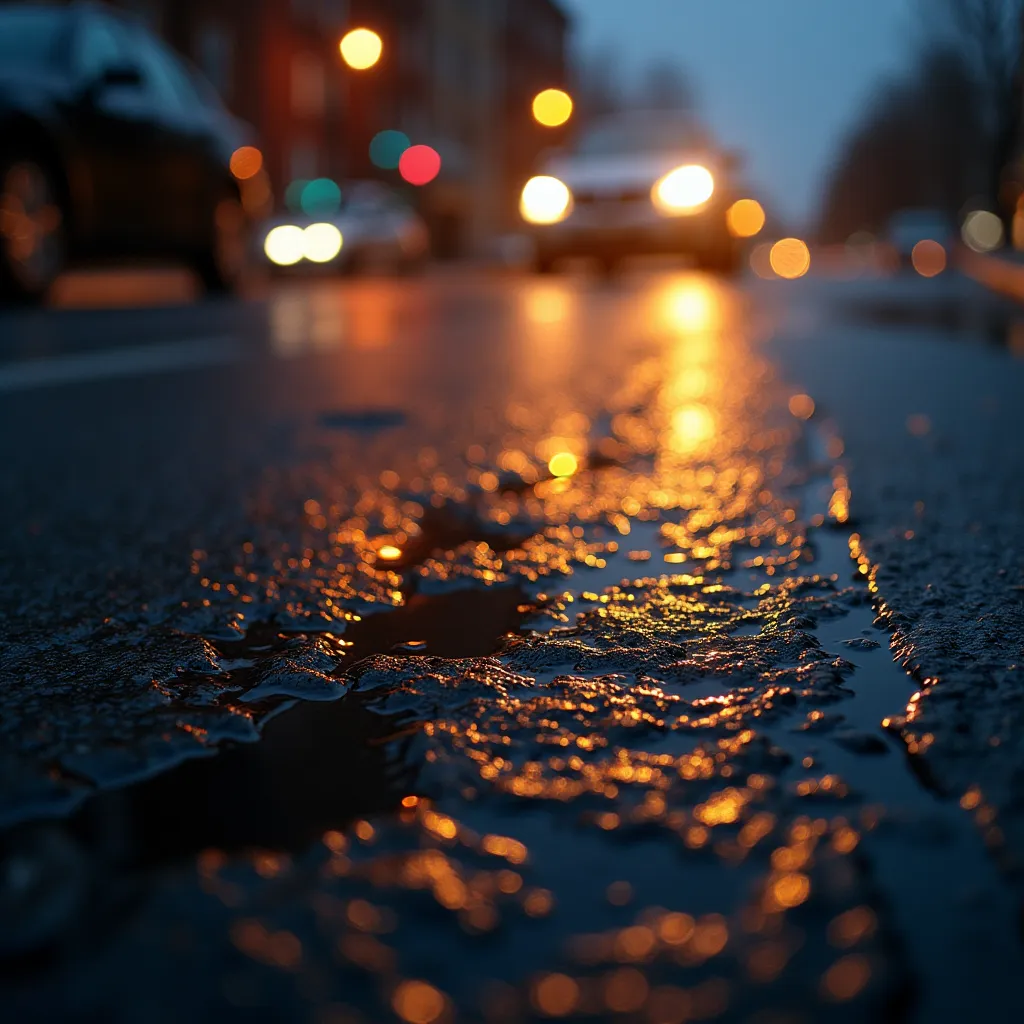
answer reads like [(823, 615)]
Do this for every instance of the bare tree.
[(990, 34), (918, 144)]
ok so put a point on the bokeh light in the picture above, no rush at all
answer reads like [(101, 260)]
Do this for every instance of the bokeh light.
[(563, 464), (761, 261), (257, 195), (389, 553), (387, 147), (552, 108), (321, 243), (928, 258), (692, 427), (293, 194), (745, 218), (545, 200), (361, 48), (320, 197), (802, 406), (419, 165), (246, 162), (684, 190), (790, 258), (982, 231), (285, 245)]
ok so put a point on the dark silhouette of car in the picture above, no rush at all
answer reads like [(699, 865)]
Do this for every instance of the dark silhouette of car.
[(111, 146)]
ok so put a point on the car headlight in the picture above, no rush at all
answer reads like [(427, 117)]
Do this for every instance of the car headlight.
[(321, 243), (684, 190), (285, 245), (545, 200)]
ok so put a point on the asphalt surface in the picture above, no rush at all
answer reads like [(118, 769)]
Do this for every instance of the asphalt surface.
[(486, 647)]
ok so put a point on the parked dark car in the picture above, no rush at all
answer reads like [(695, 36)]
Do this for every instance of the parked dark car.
[(111, 146)]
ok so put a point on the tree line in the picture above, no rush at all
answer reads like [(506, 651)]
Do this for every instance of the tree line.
[(946, 135)]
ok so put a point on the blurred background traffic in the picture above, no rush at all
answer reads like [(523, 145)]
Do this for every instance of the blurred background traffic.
[(384, 134)]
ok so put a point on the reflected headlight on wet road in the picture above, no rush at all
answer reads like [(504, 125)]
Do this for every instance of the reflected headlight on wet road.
[(545, 200), (684, 190)]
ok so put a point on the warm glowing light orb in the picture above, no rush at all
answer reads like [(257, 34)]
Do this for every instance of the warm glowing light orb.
[(389, 553), (419, 165), (321, 243), (285, 245), (545, 200), (745, 218), (361, 48), (246, 162), (552, 108), (790, 258), (928, 257), (683, 190), (802, 406), (564, 464), (982, 231), (692, 426)]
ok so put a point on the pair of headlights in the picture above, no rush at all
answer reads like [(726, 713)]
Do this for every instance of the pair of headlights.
[(289, 244), (547, 200)]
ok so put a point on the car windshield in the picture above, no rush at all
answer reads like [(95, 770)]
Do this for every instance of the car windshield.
[(32, 37), (648, 134)]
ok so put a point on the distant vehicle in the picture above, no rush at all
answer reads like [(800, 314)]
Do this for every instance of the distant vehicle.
[(910, 226), (639, 183), (373, 227), (111, 146)]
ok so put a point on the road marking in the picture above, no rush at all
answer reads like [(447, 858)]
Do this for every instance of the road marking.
[(107, 364)]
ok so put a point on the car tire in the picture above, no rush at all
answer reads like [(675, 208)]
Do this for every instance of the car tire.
[(33, 227), (223, 261)]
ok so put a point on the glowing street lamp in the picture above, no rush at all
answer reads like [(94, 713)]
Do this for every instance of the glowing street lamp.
[(552, 108), (361, 48)]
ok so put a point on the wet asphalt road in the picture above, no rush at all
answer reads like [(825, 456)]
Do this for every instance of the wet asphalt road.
[(485, 647)]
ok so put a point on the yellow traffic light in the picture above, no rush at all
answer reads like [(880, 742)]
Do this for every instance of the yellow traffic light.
[(361, 48), (552, 107)]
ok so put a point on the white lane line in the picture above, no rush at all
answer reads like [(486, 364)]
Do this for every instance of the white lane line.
[(106, 364)]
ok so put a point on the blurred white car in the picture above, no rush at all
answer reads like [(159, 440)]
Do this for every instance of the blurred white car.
[(372, 228), (637, 183), (910, 226)]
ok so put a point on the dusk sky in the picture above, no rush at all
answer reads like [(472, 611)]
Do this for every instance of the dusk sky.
[(783, 80)]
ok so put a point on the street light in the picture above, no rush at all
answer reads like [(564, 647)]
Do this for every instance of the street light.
[(361, 48), (552, 107)]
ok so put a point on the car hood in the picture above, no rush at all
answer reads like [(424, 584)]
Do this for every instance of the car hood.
[(626, 171)]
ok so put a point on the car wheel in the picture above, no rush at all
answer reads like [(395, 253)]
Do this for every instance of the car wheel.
[(221, 265), (33, 229)]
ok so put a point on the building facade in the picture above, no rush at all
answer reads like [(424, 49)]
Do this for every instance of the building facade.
[(458, 75)]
